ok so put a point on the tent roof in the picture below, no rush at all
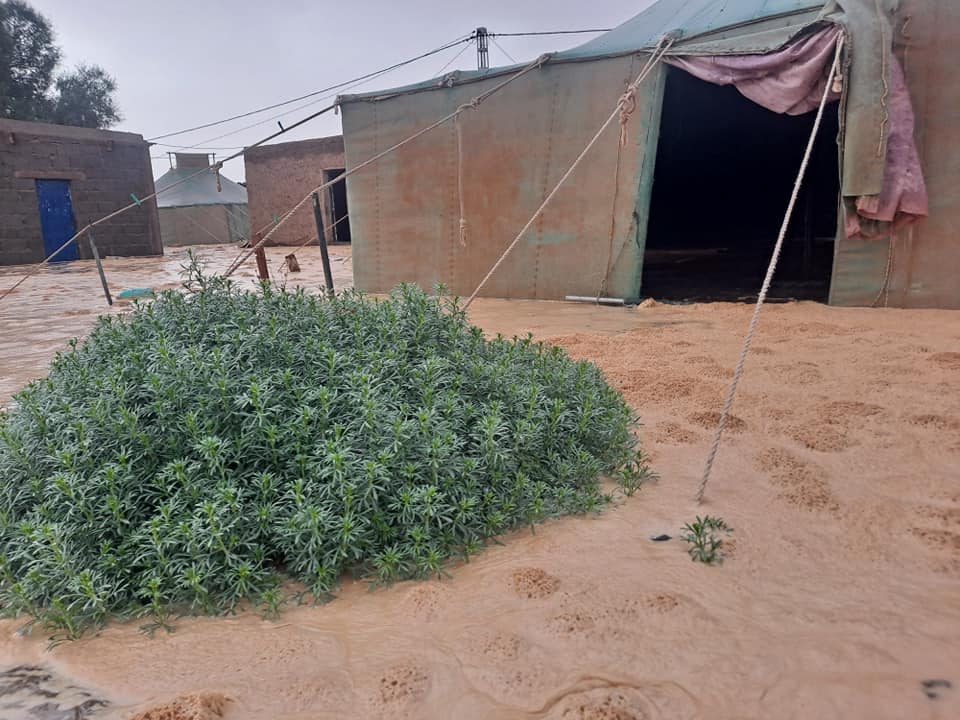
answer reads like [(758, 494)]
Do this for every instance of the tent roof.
[(705, 27), (199, 190), (692, 17)]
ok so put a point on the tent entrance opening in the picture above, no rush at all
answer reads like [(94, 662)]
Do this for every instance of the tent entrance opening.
[(724, 174), (338, 207)]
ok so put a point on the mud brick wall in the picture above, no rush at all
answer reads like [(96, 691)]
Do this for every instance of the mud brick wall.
[(103, 169), (278, 177)]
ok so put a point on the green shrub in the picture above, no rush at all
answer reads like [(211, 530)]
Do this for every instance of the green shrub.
[(701, 536), (205, 447)]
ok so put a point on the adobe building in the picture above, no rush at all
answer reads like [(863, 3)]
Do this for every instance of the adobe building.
[(279, 176), (56, 179)]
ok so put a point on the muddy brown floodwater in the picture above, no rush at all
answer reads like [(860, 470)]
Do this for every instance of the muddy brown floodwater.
[(840, 597)]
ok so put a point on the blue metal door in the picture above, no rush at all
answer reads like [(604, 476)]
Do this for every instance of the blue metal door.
[(56, 218)]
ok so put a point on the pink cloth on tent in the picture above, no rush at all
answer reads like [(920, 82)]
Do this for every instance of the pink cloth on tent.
[(792, 81), (903, 198)]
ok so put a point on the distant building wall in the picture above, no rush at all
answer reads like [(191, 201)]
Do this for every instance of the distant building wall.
[(103, 169), (278, 177)]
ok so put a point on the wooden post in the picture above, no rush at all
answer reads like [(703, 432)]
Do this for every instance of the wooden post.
[(262, 272), (103, 278), (324, 256)]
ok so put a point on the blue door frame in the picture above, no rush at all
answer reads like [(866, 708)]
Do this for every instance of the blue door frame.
[(56, 219)]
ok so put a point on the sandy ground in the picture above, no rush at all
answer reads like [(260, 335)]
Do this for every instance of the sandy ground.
[(839, 599)]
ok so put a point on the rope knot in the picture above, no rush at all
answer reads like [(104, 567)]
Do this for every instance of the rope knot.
[(628, 105), (463, 232), (472, 105), (216, 167)]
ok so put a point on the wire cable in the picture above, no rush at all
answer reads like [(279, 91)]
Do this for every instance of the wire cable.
[(452, 60), (446, 46), (549, 32), (472, 104), (509, 56), (351, 85)]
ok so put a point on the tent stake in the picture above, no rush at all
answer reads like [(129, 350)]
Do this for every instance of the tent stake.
[(324, 255), (103, 278), (263, 273)]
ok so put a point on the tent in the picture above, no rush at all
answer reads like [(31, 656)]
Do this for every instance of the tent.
[(202, 209), (690, 205)]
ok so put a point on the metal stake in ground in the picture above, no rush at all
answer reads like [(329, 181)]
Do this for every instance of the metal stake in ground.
[(324, 255), (103, 278)]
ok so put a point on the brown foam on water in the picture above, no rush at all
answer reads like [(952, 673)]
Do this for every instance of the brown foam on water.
[(839, 597), (534, 583)]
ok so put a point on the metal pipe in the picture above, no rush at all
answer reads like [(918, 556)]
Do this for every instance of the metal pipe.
[(595, 300)]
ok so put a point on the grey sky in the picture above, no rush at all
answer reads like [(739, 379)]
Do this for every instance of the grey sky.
[(181, 63)]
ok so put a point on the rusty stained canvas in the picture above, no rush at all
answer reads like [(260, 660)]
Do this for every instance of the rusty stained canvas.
[(405, 210), (924, 266)]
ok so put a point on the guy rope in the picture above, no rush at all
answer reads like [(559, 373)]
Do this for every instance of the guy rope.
[(771, 269), (625, 105)]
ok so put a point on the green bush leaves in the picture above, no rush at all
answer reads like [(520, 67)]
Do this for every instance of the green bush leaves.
[(210, 444)]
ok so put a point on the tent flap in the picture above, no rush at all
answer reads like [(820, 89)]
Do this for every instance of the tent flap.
[(792, 80)]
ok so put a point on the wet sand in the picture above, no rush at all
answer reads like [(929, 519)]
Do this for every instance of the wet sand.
[(839, 598), (63, 299)]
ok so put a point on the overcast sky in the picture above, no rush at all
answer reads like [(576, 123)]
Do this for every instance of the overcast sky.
[(181, 63)]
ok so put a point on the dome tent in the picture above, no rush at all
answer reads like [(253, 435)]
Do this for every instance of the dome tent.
[(597, 231), (196, 211)]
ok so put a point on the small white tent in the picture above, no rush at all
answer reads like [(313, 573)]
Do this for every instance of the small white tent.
[(198, 211)]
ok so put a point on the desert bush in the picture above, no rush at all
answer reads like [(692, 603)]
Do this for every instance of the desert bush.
[(204, 448), (703, 539)]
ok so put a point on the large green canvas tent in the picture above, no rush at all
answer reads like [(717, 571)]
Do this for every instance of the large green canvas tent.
[(691, 204)]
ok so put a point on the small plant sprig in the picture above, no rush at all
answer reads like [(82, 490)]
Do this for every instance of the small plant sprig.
[(702, 537), (635, 474), (193, 455)]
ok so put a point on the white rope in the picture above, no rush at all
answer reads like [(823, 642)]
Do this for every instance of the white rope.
[(326, 229), (463, 214), (218, 165), (624, 119), (342, 177), (771, 269), (624, 102), (885, 285)]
